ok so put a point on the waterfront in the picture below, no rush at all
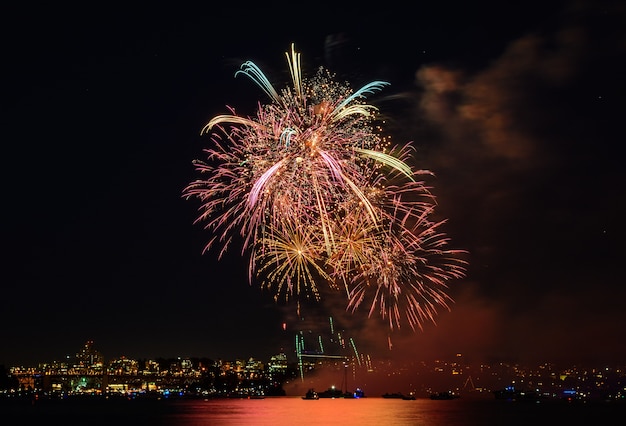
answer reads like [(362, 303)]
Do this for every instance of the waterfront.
[(289, 411)]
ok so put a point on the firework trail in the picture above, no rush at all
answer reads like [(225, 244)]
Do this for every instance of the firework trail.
[(319, 196)]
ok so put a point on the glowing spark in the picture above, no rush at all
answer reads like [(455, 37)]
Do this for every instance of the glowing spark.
[(319, 197)]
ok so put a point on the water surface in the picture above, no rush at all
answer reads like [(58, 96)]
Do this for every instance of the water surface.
[(290, 411)]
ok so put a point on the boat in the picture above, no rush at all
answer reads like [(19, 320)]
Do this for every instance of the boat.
[(394, 395), (332, 392), (311, 394), (399, 395), (444, 395), (358, 393)]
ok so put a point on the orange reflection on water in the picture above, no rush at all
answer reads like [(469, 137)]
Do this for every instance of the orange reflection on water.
[(290, 411)]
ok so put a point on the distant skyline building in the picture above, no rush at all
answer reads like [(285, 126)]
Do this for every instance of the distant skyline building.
[(88, 356)]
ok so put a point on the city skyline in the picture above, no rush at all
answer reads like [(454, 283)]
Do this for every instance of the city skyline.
[(91, 354), (517, 117), (87, 372)]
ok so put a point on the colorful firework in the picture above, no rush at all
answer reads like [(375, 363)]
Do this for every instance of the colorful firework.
[(318, 195)]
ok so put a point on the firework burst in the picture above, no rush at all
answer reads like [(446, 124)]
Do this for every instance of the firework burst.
[(319, 196)]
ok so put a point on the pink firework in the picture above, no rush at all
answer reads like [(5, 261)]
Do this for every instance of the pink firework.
[(319, 196)]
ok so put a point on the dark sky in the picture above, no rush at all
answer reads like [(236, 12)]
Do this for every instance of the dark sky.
[(516, 109)]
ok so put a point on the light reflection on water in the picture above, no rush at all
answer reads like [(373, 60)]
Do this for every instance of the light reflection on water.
[(294, 411), (290, 411)]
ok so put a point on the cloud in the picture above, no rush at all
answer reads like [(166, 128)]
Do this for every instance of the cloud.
[(490, 110), (512, 146)]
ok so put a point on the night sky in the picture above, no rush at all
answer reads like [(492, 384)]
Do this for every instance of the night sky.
[(516, 109)]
